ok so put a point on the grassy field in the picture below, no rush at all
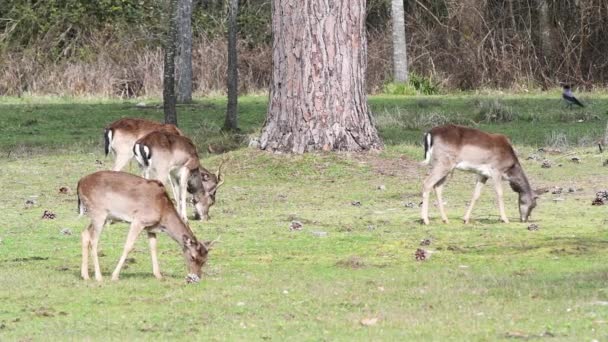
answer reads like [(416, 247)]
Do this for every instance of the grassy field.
[(350, 273)]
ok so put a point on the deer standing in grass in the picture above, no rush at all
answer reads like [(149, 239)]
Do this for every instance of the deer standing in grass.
[(121, 135), (488, 155), (145, 204), (173, 158)]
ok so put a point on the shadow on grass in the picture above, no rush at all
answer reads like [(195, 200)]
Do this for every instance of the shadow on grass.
[(125, 274), (527, 120), (43, 128), (549, 246), (35, 127)]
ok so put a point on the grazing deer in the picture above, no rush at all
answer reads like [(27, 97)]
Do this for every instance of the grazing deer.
[(452, 147), (145, 204), (121, 135), (172, 157)]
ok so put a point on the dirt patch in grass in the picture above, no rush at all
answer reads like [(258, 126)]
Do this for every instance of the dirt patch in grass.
[(391, 166), (353, 262)]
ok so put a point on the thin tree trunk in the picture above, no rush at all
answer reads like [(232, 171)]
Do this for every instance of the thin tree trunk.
[(184, 51), (317, 95), (231, 123), (399, 42), (169, 71)]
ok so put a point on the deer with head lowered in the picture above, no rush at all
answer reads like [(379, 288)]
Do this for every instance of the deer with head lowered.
[(121, 135), (145, 204), (488, 155), (173, 158)]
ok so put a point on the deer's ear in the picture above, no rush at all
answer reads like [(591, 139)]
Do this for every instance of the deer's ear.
[(208, 245)]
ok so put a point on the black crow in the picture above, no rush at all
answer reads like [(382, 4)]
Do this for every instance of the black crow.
[(569, 97)]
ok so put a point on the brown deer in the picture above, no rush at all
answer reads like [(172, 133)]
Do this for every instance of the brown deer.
[(173, 158), (488, 155), (121, 135), (145, 204)]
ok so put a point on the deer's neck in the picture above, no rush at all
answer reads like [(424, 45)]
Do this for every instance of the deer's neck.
[(176, 228), (518, 181)]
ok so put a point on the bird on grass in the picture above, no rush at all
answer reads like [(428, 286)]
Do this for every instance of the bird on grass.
[(568, 96)]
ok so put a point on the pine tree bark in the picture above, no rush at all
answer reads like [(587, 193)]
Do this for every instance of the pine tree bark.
[(184, 51), (231, 123), (169, 67), (317, 95), (399, 43)]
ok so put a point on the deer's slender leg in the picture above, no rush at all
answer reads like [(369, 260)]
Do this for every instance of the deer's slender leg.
[(438, 173), (173, 183), (122, 159), (184, 174), (439, 193), (134, 231), (95, 233), (481, 180), (497, 178), (86, 245), (154, 255)]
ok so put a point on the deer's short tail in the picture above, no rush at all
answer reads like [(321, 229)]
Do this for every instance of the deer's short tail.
[(81, 209), (142, 154), (428, 147), (107, 137)]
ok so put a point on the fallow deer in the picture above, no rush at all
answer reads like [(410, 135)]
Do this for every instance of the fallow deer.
[(173, 158), (121, 135), (105, 195), (488, 155)]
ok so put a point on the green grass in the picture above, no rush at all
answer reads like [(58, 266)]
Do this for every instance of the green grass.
[(484, 281)]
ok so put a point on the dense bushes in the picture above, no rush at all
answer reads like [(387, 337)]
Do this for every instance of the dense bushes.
[(111, 47)]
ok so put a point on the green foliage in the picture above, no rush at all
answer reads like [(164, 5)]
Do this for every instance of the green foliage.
[(424, 85), (378, 15), (254, 22), (493, 111), (58, 27), (397, 88), (401, 119), (416, 85)]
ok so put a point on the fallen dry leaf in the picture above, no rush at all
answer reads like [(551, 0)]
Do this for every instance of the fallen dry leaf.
[(517, 334), (369, 321)]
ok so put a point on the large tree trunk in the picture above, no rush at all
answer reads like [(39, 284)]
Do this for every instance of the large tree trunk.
[(317, 94), (184, 51), (231, 110), (399, 43), (169, 67)]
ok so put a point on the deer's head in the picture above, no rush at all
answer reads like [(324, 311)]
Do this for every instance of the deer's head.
[(203, 186)]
